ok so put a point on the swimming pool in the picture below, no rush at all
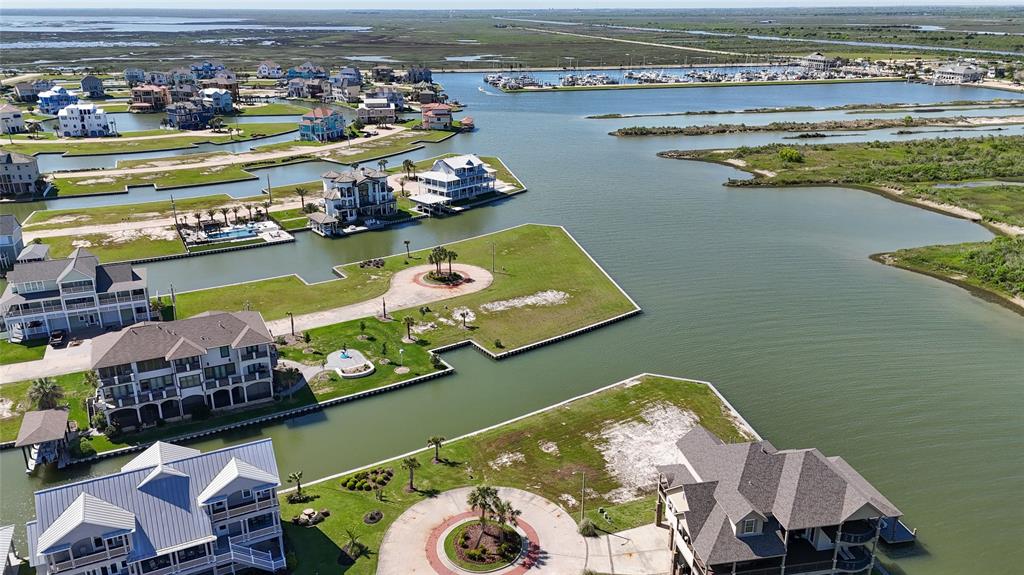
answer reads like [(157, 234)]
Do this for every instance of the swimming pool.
[(232, 234)]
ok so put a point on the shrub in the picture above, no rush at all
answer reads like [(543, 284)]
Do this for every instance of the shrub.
[(99, 421), (790, 155), (82, 447), (587, 528), (498, 344)]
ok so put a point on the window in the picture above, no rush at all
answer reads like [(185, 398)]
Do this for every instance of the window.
[(749, 526), (246, 493), (189, 381), (225, 351), (153, 364)]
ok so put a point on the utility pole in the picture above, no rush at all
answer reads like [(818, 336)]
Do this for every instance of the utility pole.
[(270, 191), (583, 497), (291, 317), (492, 257)]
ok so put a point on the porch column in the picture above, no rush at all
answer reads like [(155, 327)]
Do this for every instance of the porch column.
[(835, 550), (874, 544), (785, 544)]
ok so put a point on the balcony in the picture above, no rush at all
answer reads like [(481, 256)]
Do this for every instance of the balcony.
[(102, 555), (121, 379), (257, 534), (237, 510), (82, 305), (77, 289), (255, 355), (141, 397), (857, 532), (205, 560), (186, 367), (858, 560)]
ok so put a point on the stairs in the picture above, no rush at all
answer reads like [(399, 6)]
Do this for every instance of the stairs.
[(252, 558)]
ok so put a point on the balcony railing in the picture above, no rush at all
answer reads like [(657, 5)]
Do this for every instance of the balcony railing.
[(90, 558), (38, 309), (237, 510), (809, 567), (205, 560), (83, 305), (858, 532), (264, 532), (117, 380), (141, 397), (77, 289), (186, 367), (255, 355)]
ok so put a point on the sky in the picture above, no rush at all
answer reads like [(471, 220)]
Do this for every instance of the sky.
[(489, 4)]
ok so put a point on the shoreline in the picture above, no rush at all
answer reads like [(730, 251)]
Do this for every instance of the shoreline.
[(699, 85)]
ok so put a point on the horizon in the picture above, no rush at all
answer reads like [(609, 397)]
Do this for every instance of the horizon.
[(471, 6)]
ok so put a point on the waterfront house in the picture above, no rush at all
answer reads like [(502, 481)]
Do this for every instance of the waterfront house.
[(229, 84), (206, 70), (957, 74), (171, 510), (180, 75), (55, 100), (389, 93), (34, 252), (218, 99), (92, 87), (436, 117), (752, 509), (322, 125), (349, 73), (383, 73), (11, 242), (134, 76), (74, 294), (83, 121), (29, 91), (308, 71), (12, 121), (376, 111), (424, 93), (307, 88), (184, 92), (819, 62), (454, 180), (345, 92), (12, 562), (415, 74), (189, 115), (149, 98), (269, 69), (43, 438), (157, 78), (171, 370), (358, 194), (19, 174)]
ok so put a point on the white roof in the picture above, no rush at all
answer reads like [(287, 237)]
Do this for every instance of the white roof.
[(6, 537), (430, 199), (88, 516), (161, 472), (438, 175), (212, 91), (463, 161), (84, 108), (235, 476), (158, 454)]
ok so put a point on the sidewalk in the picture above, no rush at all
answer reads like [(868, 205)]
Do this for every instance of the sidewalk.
[(61, 361)]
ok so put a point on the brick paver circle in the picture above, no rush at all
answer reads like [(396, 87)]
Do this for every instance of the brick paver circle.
[(442, 566)]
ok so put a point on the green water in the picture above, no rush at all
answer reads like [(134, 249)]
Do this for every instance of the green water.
[(767, 293)]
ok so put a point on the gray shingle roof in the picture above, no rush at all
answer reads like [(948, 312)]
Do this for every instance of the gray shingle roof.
[(6, 539), (8, 223), (167, 514), (35, 252), (8, 157), (354, 176), (42, 426), (181, 338)]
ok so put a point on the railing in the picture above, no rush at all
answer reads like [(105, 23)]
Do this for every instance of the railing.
[(91, 558), (117, 380), (271, 530), (253, 558), (204, 560), (83, 305), (184, 367), (108, 299), (237, 510), (77, 289), (215, 383), (141, 397), (46, 308), (857, 533), (808, 567), (255, 355), (856, 563), (255, 376)]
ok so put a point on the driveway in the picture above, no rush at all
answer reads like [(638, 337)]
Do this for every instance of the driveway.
[(404, 292), (68, 359)]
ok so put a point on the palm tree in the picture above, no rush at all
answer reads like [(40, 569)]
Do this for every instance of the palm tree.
[(436, 441), (296, 478), (45, 393), (234, 210), (482, 498), (353, 547), (198, 216), (409, 167), (450, 256), (158, 306), (248, 206), (382, 164), (224, 212), (465, 316), (301, 192), (210, 213), (409, 322), (411, 464), (266, 207), (437, 256), (407, 249)]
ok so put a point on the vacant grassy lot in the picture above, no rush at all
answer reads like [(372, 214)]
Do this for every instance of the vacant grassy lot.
[(116, 249), (273, 109), (530, 260), (83, 147), (162, 180), (996, 266), (575, 432), (19, 352), (76, 390)]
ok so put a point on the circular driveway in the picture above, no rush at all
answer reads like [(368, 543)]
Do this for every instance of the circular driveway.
[(411, 543)]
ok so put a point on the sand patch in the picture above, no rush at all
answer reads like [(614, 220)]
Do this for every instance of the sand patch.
[(92, 181), (6, 407), (457, 315), (568, 500), (633, 449), (424, 327), (541, 298), (507, 459), (58, 220), (81, 244), (131, 235), (549, 447)]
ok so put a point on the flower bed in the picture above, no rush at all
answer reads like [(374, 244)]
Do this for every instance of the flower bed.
[(366, 480), (482, 547)]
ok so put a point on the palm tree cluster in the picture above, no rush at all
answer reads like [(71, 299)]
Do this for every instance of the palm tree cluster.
[(485, 499), (438, 256), (224, 210)]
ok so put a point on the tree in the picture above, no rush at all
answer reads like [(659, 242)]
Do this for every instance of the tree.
[(408, 166), (234, 210), (382, 164), (504, 513), (224, 213), (198, 216), (45, 393), (407, 254), (437, 257), (210, 214), (450, 256), (362, 327), (411, 465), (248, 206), (353, 547), (481, 499), (296, 478), (216, 123), (409, 322), (158, 306), (301, 192), (465, 316), (266, 207), (436, 441)]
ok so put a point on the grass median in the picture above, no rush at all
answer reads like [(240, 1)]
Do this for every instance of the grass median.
[(173, 140)]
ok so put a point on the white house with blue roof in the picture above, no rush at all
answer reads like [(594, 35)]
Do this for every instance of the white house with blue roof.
[(171, 510)]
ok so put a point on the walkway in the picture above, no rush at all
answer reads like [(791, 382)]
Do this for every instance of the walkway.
[(404, 292), (67, 359), (562, 550), (100, 140)]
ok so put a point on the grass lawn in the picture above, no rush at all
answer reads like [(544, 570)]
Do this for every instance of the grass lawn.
[(291, 219), (18, 352), (109, 249), (387, 146), (83, 147), (529, 258), (76, 390), (162, 180), (273, 109), (574, 428)]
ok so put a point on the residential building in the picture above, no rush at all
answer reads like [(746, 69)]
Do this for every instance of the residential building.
[(171, 510), (455, 179), (29, 91), (389, 93), (43, 438), (219, 100), (415, 74), (376, 111), (134, 76), (436, 117), (425, 93), (34, 253), (229, 84), (184, 92), (818, 61), (269, 69), (349, 73), (749, 508), (323, 224), (225, 74), (166, 371), (382, 73), (93, 87), (307, 88), (149, 98), (19, 174), (322, 125), (55, 100), (189, 115), (12, 562), (357, 194), (345, 92), (206, 70), (12, 120), (157, 78), (307, 70), (958, 74), (83, 121), (181, 75), (11, 242), (75, 293)]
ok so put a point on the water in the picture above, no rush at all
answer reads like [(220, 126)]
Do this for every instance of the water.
[(44, 22), (768, 293), (232, 234)]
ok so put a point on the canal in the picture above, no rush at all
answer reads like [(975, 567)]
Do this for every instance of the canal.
[(768, 293)]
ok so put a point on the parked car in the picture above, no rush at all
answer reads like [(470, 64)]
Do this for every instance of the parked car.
[(58, 337)]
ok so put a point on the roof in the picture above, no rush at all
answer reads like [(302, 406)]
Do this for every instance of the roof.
[(8, 223), (42, 426), (6, 108), (108, 277), (164, 504), (353, 176), (8, 157), (158, 454), (236, 476), (321, 112), (437, 107), (100, 518), (179, 339), (6, 539), (322, 218), (34, 251), (791, 489)]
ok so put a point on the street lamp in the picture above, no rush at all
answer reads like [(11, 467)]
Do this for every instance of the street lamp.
[(401, 353)]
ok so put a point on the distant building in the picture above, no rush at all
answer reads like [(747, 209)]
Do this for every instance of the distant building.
[(184, 92), (308, 71), (389, 93), (29, 91), (455, 179), (19, 174), (415, 74), (958, 74), (383, 73), (345, 92), (308, 88), (322, 125), (134, 76), (73, 294), (157, 78), (92, 87), (206, 70), (219, 100), (180, 76), (357, 194), (229, 84), (350, 74), (83, 121), (424, 93), (269, 69), (149, 98), (377, 111), (171, 510), (12, 120), (55, 100), (818, 61), (11, 243), (436, 116), (189, 115)]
